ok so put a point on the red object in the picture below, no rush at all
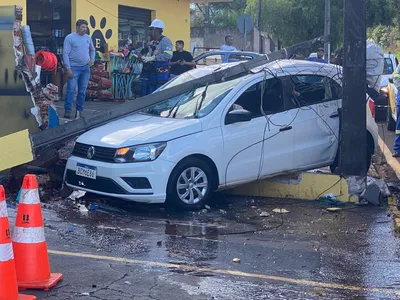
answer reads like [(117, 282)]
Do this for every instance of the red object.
[(95, 78), (100, 73), (371, 104), (105, 83), (30, 249), (105, 95), (8, 276), (47, 60)]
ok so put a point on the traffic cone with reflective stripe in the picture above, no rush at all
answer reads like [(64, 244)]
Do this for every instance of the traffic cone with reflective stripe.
[(8, 276), (29, 244)]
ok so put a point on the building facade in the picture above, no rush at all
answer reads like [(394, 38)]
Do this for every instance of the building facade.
[(114, 22)]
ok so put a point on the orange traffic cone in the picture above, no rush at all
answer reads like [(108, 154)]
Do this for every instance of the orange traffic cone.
[(8, 276), (29, 244)]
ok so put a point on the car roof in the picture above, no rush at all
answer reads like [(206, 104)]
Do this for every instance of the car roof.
[(231, 52), (291, 67), (278, 68)]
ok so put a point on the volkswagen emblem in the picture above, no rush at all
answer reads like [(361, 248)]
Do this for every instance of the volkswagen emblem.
[(90, 152)]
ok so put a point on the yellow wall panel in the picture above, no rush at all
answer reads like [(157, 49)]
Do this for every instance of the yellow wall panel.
[(174, 13)]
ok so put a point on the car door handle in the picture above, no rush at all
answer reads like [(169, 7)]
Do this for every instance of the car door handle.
[(286, 128), (334, 116)]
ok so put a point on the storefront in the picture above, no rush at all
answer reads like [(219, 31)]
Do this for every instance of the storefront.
[(111, 22)]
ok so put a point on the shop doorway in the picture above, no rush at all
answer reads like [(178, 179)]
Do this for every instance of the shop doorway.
[(50, 22), (133, 25)]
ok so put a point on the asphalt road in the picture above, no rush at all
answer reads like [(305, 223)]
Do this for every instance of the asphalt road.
[(130, 251)]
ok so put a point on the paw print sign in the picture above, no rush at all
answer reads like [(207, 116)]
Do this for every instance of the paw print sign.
[(99, 38)]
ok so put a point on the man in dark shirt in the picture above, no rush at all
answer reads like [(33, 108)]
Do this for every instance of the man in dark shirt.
[(182, 61)]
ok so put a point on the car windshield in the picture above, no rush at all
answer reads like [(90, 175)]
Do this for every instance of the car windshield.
[(191, 104), (185, 77)]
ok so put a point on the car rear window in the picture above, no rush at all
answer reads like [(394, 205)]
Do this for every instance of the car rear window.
[(388, 67)]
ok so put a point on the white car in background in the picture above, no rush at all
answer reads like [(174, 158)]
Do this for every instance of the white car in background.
[(281, 118)]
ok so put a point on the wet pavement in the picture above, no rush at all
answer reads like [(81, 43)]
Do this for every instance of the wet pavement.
[(131, 251)]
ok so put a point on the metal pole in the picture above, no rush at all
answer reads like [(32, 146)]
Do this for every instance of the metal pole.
[(259, 24), (245, 36), (353, 133), (327, 29)]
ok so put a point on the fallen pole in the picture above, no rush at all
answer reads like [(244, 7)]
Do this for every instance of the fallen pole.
[(71, 129)]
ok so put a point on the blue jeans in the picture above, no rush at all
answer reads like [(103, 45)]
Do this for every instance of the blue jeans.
[(81, 78)]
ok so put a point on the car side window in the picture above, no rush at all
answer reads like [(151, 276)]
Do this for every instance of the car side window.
[(210, 60), (388, 67), (311, 89), (239, 57), (272, 100)]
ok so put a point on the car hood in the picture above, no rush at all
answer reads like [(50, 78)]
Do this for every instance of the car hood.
[(139, 129)]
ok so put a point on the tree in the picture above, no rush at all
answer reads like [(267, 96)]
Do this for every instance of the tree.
[(222, 14), (294, 21)]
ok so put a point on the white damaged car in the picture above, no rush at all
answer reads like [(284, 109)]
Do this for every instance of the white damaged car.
[(281, 118)]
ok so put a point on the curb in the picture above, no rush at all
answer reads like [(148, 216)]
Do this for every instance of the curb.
[(392, 200), (304, 186)]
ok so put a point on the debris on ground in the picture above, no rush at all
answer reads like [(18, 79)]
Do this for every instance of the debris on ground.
[(363, 228), (264, 214), (223, 211), (159, 243), (207, 207), (330, 200), (76, 195), (83, 210), (333, 209), (93, 207), (280, 211), (204, 211), (372, 194), (236, 260)]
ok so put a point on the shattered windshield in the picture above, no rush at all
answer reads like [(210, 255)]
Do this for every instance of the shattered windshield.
[(191, 104)]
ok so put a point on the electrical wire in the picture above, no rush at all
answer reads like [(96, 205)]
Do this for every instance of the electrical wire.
[(47, 60)]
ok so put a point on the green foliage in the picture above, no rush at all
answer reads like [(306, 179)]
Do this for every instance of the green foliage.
[(294, 21)]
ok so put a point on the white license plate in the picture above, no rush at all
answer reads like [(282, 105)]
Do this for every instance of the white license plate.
[(86, 171)]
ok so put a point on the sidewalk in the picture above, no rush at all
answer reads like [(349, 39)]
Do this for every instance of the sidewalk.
[(90, 107)]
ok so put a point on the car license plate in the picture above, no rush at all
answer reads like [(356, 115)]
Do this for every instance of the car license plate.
[(86, 171)]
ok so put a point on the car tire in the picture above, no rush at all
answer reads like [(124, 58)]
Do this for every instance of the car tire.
[(335, 164), (189, 179), (391, 123)]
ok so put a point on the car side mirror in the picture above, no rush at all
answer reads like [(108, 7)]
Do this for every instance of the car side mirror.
[(391, 80), (238, 115)]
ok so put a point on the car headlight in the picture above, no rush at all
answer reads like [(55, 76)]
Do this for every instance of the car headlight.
[(140, 153)]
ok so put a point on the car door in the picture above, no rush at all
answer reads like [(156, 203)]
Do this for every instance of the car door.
[(315, 101), (243, 140), (278, 141)]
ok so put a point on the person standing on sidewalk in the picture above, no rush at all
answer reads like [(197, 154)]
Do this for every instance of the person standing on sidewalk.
[(182, 61), (156, 63), (396, 82), (79, 55)]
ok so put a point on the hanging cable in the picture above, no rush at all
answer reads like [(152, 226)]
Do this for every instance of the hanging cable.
[(47, 60)]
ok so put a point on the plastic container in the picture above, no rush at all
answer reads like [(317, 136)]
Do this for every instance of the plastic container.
[(28, 42)]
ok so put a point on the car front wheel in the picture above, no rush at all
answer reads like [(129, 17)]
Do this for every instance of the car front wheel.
[(191, 184)]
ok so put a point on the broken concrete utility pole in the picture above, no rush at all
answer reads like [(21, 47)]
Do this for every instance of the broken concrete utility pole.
[(353, 133), (71, 129)]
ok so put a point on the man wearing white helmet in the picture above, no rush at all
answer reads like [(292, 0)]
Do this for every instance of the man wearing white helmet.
[(156, 64)]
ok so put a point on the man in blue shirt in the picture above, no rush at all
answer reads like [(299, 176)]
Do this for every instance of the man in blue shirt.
[(79, 54), (320, 57), (228, 46)]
